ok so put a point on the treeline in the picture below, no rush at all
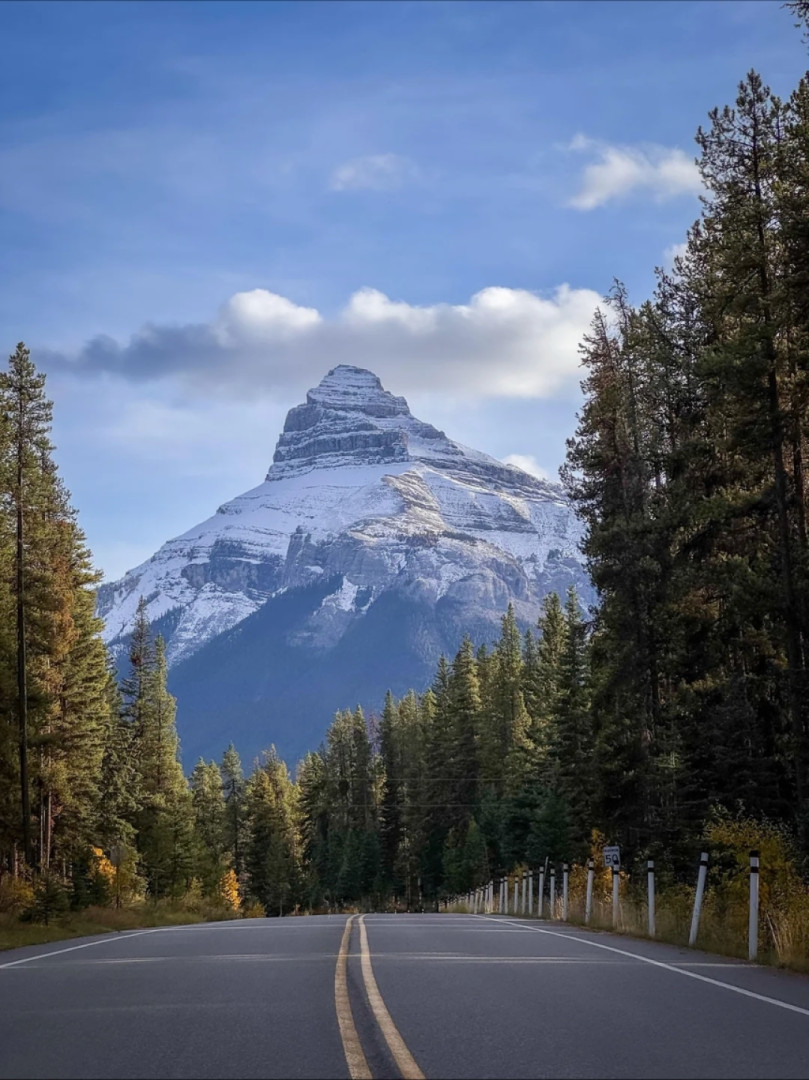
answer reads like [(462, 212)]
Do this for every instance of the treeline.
[(489, 769), (689, 470), (88, 769)]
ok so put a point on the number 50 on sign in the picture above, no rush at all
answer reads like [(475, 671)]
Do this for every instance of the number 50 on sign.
[(612, 857)]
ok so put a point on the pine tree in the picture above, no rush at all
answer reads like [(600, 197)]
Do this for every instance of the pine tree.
[(272, 857), (234, 793), (27, 421), (391, 752), (571, 750), (164, 818), (208, 801), (315, 823), (543, 672), (60, 677), (464, 716)]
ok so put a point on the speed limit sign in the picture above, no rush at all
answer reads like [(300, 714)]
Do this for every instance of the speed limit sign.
[(612, 857)]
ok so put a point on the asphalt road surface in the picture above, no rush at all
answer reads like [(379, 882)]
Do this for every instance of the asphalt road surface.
[(413, 996)]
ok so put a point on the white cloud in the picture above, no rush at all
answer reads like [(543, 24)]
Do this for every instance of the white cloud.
[(259, 314), (528, 463), (663, 172), (507, 343), (374, 172), (674, 251)]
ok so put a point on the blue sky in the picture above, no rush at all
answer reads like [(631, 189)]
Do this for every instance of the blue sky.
[(439, 191)]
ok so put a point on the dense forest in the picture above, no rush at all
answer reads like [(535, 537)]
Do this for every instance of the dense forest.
[(682, 695)]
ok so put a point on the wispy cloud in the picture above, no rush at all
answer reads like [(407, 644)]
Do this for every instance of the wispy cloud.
[(674, 251), (374, 172), (528, 463), (617, 171), (502, 343)]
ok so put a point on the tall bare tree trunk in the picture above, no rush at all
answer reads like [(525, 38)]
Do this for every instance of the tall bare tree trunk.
[(22, 688)]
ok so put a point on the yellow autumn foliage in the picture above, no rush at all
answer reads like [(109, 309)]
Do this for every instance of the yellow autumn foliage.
[(16, 894), (103, 866), (229, 890)]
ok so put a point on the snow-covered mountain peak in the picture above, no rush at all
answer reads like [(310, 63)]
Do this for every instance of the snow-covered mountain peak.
[(349, 388), (350, 419), (377, 508)]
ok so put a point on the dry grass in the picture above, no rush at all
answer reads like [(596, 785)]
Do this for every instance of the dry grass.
[(723, 927), (103, 920)]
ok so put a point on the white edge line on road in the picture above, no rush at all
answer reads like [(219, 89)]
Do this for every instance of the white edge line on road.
[(87, 945), (660, 964)]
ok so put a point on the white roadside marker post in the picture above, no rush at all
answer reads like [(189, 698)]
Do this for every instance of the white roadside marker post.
[(565, 881), (524, 890), (616, 897), (553, 892), (703, 873), (530, 892), (588, 902), (650, 885), (752, 934), (541, 897), (516, 908)]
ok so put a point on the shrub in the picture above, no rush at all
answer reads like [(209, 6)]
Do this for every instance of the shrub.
[(16, 894), (50, 900)]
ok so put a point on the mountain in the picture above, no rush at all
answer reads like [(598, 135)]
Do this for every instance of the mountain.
[(374, 543)]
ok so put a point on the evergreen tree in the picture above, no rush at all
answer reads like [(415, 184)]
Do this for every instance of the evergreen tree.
[(164, 819), (208, 801), (53, 667), (272, 857), (234, 794)]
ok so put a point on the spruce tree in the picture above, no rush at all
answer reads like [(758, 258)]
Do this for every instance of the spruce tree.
[(208, 801), (27, 418), (234, 793)]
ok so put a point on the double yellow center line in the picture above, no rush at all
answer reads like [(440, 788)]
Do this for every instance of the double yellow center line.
[(352, 1047)]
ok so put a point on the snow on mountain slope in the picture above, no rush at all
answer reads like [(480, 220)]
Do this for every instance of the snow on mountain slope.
[(362, 492)]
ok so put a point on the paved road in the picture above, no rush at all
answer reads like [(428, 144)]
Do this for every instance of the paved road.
[(410, 995)]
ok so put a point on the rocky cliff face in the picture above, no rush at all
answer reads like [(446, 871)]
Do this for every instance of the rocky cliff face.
[(366, 502)]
